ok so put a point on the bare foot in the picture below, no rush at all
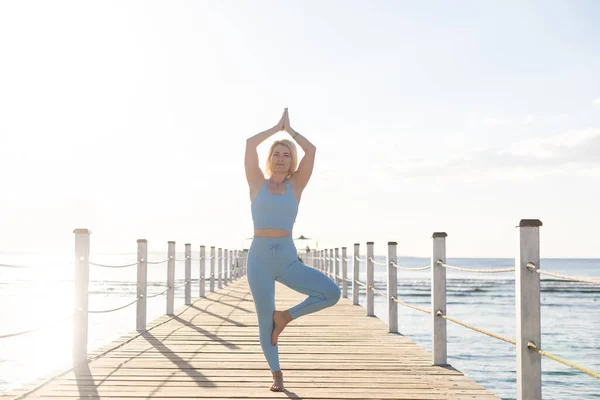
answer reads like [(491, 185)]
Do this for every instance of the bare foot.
[(280, 320), (277, 385)]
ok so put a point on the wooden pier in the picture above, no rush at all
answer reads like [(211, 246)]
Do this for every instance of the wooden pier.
[(210, 350)]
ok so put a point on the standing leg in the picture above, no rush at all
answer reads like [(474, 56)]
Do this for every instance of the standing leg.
[(262, 286)]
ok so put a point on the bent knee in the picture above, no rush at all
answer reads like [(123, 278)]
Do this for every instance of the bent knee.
[(333, 295)]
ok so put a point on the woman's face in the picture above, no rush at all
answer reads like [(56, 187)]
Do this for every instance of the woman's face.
[(281, 160)]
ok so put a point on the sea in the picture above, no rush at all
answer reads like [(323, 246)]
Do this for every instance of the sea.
[(42, 296)]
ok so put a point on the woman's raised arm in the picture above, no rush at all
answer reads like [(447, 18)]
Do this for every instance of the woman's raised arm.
[(304, 171), (254, 174)]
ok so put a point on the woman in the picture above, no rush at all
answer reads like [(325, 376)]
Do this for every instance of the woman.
[(273, 255)]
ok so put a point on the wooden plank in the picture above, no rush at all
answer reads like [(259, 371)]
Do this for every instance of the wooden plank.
[(210, 350)]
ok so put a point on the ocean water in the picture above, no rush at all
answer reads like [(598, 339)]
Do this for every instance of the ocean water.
[(43, 296)]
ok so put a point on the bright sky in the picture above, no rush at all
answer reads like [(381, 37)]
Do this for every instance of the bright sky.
[(129, 118)]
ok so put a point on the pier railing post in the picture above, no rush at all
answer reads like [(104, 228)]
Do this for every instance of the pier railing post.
[(225, 266), (355, 274), (321, 261), (212, 269), (220, 268), (336, 271), (142, 284), (331, 265), (438, 299), (344, 274), (392, 287), (231, 265), (235, 264), (188, 274), (243, 263), (240, 255), (202, 279), (527, 296), (81, 286), (171, 279), (370, 280)]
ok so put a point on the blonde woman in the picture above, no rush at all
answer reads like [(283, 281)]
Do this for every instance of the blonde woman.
[(273, 255)]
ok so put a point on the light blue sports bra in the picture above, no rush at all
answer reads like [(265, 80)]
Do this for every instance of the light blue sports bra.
[(270, 211)]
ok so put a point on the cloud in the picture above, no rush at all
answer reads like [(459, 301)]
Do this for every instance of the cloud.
[(597, 102), (572, 152)]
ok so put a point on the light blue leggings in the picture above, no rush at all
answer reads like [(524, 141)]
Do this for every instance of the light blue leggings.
[(276, 259)]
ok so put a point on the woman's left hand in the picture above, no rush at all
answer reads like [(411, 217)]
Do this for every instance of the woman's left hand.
[(286, 122)]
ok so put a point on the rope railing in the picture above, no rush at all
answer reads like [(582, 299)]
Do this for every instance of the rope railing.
[(138, 299), (234, 267), (481, 270), (504, 339), (9, 335), (113, 266), (377, 263), (531, 346), (158, 294), (359, 283), (343, 279), (393, 264), (410, 305), (527, 298), (157, 262), (379, 292), (115, 309), (583, 279)]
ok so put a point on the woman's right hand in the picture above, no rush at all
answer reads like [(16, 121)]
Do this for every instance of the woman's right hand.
[(281, 124)]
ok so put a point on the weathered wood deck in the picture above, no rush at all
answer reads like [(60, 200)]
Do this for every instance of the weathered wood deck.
[(210, 350)]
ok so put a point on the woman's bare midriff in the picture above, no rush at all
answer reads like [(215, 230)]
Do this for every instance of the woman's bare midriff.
[(271, 233)]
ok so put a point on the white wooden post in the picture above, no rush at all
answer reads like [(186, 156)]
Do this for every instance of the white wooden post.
[(225, 267), (242, 263), (220, 268), (438, 299), (527, 287), (344, 274), (320, 260), (331, 260), (234, 265), (142, 284), (370, 280), (202, 279), (392, 287), (212, 268), (337, 266), (231, 265), (355, 274), (81, 295), (171, 279), (188, 274)]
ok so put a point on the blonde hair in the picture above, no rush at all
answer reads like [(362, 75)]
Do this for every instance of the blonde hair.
[(294, 164)]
